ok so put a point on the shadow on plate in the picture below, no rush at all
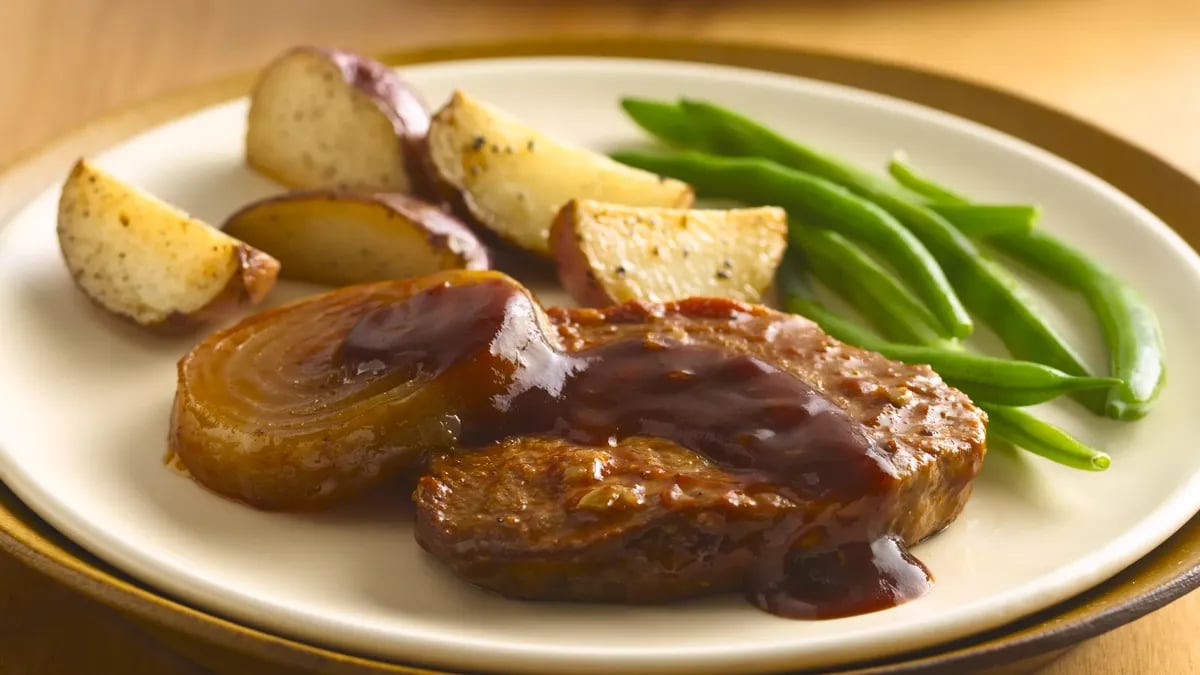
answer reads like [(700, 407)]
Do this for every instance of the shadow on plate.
[(65, 320)]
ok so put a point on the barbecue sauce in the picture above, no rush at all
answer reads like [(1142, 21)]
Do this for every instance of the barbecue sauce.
[(831, 557)]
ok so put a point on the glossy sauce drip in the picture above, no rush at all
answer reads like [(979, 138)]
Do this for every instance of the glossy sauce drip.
[(428, 333), (831, 557)]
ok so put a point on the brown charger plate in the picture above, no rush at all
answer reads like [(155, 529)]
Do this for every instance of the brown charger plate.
[(1165, 574)]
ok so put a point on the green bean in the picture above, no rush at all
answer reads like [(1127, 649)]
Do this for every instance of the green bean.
[(979, 221), (1054, 383), (987, 289), (821, 203), (994, 295), (791, 283), (724, 132), (668, 120), (840, 264), (1130, 328), (701, 126), (983, 378), (1020, 428), (904, 174), (837, 326), (974, 220)]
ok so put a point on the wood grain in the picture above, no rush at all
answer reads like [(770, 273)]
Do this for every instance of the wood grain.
[(1132, 69)]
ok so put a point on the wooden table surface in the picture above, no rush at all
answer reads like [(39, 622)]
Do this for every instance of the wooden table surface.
[(1130, 66)]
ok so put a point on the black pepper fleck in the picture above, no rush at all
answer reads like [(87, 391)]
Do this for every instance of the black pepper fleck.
[(620, 271), (478, 143), (124, 220), (529, 146), (727, 264), (722, 274)]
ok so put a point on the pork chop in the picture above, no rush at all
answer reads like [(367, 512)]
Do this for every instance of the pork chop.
[(644, 519)]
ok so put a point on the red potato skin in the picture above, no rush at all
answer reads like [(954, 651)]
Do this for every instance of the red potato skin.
[(574, 272), (257, 273), (398, 100), (443, 229)]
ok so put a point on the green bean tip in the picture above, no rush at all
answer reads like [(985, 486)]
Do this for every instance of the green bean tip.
[(1091, 382), (1124, 411)]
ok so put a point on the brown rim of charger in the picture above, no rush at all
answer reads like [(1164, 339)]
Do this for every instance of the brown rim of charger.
[(1167, 573)]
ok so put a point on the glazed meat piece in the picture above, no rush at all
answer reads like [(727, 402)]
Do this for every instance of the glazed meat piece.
[(641, 453), (932, 432), (642, 519)]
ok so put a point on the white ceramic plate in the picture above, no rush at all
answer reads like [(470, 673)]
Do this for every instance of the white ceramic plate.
[(85, 400)]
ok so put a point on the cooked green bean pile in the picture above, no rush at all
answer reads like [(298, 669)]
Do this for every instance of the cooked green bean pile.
[(932, 242), (1128, 324)]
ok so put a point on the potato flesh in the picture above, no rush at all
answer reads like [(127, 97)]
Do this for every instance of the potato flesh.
[(513, 179), (310, 128), (141, 257), (348, 239), (609, 253)]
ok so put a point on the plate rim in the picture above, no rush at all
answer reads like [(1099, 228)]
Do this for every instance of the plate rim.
[(1151, 181)]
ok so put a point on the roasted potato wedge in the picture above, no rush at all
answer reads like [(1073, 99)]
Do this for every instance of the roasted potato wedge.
[(326, 118), (609, 253), (512, 179), (144, 259), (342, 238)]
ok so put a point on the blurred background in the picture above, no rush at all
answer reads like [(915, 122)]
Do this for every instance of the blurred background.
[(1130, 66)]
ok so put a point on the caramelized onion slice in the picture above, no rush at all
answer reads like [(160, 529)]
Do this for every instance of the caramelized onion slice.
[(272, 413)]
